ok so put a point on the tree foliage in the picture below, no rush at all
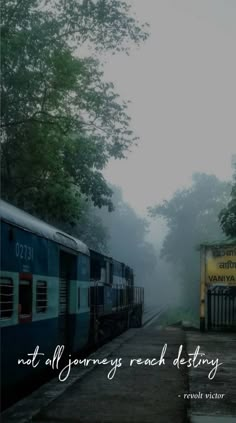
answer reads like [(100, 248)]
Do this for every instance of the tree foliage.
[(227, 216), (121, 234), (191, 216), (89, 227), (128, 240), (61, 121)]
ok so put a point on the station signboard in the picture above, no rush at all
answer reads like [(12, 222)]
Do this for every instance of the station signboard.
[(220, 265), (218, 269)]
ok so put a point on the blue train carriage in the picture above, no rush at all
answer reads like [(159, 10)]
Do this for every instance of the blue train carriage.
[(109, 282), (44, 292), (127, 299), (111, 296), (119, 297), (112, 289), (101, 277)]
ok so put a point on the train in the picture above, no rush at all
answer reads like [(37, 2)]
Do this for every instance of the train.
[(54, 290)]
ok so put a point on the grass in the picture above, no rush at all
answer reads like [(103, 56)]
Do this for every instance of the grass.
[(176, 315)]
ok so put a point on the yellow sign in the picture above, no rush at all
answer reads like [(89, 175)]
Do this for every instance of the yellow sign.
[(220, 265)]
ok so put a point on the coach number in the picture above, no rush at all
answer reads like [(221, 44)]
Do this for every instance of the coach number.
[(24, 252)]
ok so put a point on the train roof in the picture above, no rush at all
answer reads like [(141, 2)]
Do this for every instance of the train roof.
[(95, 254), (27, 222)]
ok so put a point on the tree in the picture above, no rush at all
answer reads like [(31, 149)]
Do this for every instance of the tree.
[(191, 216), (89, 228), (128, 243), (61, 122), (227, 216)]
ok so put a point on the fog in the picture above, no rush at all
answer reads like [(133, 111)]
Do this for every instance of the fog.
[(181, 84), (180, 81)]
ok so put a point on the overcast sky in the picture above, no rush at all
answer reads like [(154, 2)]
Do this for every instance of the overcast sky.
[(182, 84)]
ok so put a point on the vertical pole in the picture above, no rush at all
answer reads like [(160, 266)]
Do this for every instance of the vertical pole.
[(202, 288), (95, 313), (209, 299)]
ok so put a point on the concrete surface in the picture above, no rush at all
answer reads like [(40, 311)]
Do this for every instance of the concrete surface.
[(138, 394), (141, 393), (212, 419), (223, 408)]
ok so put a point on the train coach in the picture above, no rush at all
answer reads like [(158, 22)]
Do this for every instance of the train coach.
[(55, 291)]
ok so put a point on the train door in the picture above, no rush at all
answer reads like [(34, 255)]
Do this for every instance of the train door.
[(67, 268)]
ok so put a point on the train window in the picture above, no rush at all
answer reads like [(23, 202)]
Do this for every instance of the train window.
[(6, 298), (84, 267), (95, 270), (41, 296), (25, 298), (78, 297)]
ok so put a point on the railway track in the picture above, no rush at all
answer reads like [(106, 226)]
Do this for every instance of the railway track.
[(152, 313)]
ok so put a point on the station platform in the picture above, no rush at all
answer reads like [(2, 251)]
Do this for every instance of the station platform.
[(137, 393), (142, 391), (217, 400)]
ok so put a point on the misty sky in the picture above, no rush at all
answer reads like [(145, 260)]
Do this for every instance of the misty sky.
[(182, 84)]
